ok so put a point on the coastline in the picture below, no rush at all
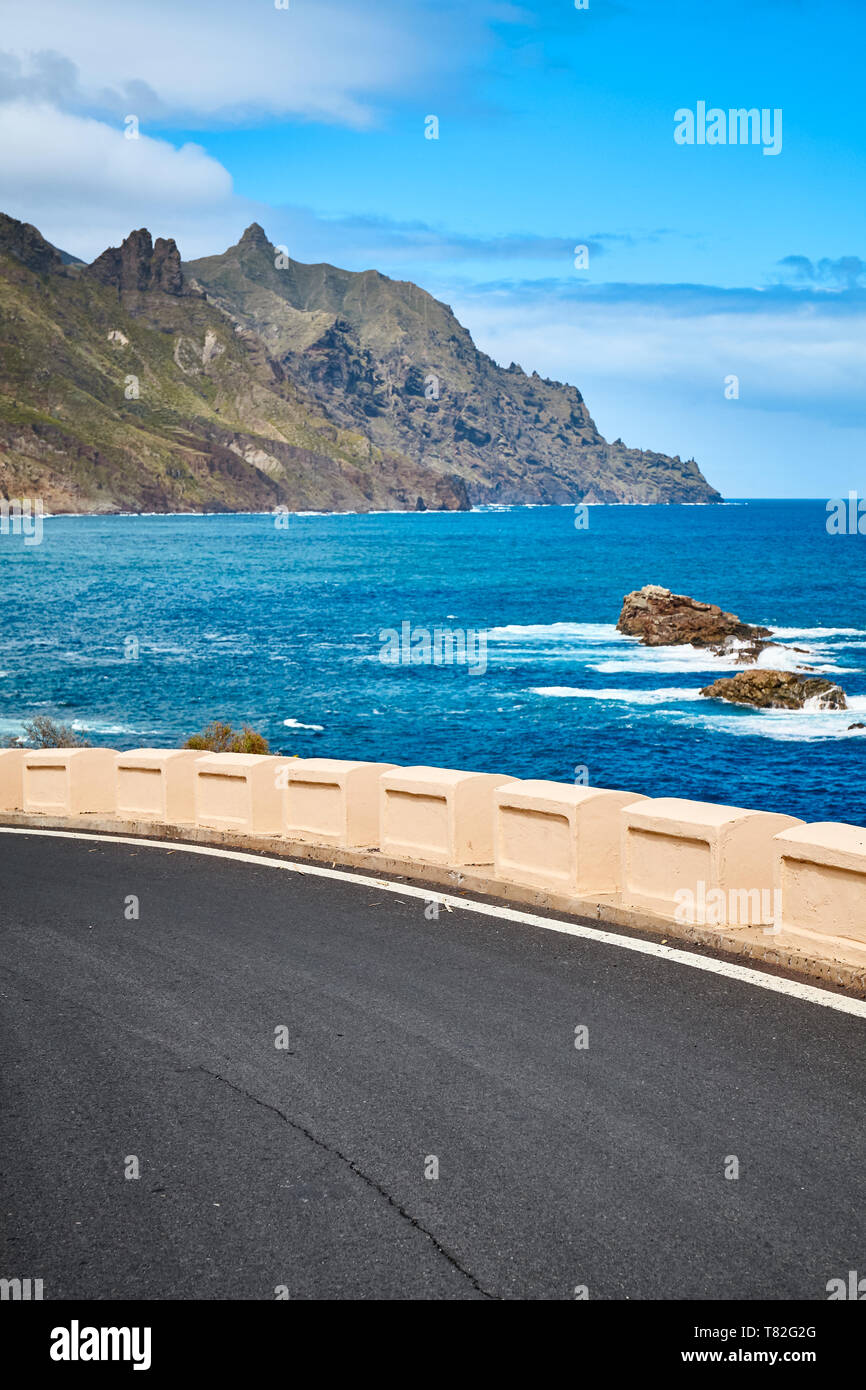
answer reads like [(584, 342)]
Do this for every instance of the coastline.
[(489, 507)]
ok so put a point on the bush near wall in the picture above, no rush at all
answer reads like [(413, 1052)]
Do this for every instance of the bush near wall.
[(43, 732), (218, 737)]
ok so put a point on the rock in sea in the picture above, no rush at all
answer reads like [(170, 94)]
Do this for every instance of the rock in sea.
[(777, 690), (662, 619)]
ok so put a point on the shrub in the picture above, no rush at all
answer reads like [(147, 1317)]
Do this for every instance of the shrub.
[(248, 741), (42, 732), (214, 738), (219, 737)]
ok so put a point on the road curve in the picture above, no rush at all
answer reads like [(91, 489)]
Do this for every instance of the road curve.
[(301, 1168)]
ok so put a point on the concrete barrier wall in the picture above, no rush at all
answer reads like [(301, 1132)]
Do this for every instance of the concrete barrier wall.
[(821, 881), (679, 863), (156, 784), (330, 801), (69, 781), (438, 816), (551, 835), (244, 792), (682, 857), (11, 780)]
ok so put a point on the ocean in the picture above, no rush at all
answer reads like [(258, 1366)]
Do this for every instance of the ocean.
[(139, 630)]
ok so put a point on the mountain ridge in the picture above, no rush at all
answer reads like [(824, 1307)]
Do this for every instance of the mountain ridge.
[(264, 381)]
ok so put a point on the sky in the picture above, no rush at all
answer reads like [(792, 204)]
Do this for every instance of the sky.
[(719, 306)]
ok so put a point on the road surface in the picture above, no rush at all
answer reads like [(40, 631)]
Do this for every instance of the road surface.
[(148, 1044)]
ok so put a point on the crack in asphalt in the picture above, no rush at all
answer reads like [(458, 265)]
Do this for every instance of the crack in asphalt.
[(354, 1168)]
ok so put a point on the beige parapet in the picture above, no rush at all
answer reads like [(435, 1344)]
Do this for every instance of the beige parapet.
[(821, 877), (437, 815), (11, 779), (69, 781), (718, 859), (157, 784), (333, 801), (241, 792), (564, 838)]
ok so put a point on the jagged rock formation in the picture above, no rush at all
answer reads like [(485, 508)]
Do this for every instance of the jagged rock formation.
[(140, 264), (248, 380), (662, 619), (777, 690)]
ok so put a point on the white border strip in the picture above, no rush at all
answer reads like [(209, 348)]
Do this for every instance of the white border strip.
[(777, 984)]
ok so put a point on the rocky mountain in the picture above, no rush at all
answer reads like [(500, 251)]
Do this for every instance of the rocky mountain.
[(250, 380)]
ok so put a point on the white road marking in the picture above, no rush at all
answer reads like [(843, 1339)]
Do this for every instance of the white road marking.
[(729, 969)]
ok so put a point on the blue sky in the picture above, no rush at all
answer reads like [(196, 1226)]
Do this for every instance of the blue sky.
[(555, 130)]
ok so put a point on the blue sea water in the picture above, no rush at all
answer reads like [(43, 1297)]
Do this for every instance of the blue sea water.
[(237, 618)]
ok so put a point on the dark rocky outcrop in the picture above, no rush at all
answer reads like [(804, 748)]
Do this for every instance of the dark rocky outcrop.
[(140, 264), (776, 690), (663, 619), (27, 245)]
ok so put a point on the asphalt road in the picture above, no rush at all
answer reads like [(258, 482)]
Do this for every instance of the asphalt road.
[(303, 1167)]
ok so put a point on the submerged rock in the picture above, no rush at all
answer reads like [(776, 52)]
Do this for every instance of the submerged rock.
[(777, 690), (662, 619)]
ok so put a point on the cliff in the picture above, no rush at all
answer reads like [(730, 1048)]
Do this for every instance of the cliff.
[(248, 380)]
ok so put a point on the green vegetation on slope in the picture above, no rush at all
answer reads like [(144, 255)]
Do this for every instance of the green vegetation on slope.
[(249, 381)]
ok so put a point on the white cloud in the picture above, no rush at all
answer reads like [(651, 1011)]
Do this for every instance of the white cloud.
[(654, 375), (80, 157), (70, 75), (797, 353), (225, 61), (85, 185)]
